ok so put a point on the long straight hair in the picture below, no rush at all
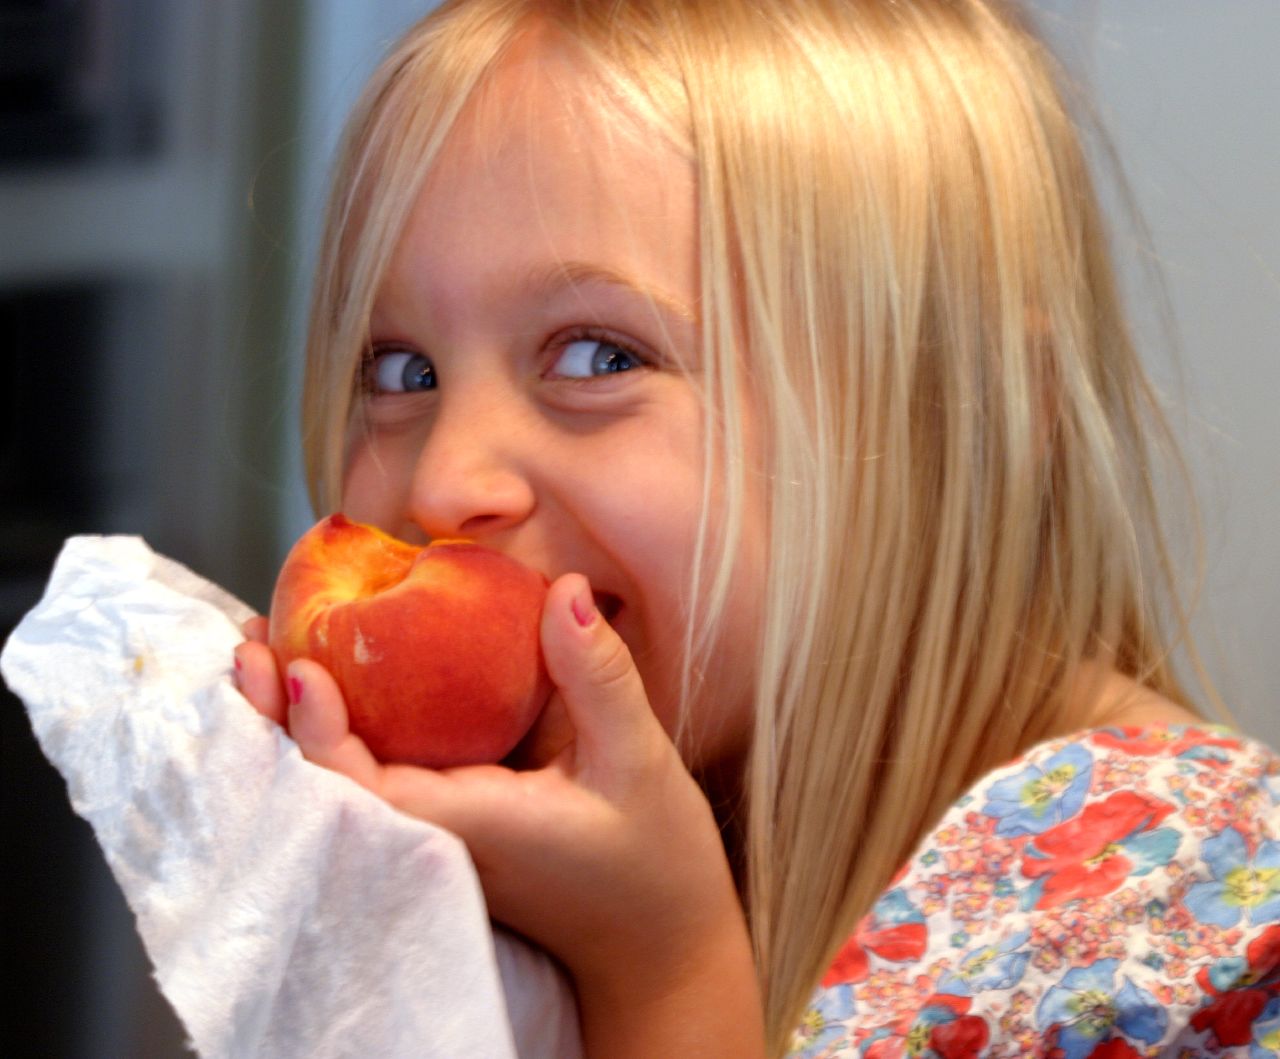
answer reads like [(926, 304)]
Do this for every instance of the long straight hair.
[(906, 278)]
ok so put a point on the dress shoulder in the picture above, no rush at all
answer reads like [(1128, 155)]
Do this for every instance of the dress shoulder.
[(1111, 894)]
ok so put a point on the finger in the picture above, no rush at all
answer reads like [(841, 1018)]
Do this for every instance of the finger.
[(318, 723), (255, 629), (258, 678), (470, 801), (591, 667)]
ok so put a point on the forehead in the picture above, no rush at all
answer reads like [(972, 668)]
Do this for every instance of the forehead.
[(544, 165), (549, 89)]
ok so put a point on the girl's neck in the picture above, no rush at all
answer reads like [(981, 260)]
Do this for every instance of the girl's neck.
[(1104, 697)]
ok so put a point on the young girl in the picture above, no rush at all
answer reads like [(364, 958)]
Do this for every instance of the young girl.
[(781, 335)]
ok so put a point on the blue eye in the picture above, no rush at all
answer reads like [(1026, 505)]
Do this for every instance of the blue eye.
[(400, 371), (588, 357)]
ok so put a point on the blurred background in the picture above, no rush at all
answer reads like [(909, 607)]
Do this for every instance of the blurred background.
[(162, 170)]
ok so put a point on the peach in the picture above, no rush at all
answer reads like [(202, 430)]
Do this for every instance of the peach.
[(435, 649)]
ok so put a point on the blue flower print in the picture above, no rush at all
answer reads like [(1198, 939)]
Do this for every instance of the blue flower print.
[(1087, 1009), (1240, 887), (988, 967), (1226, 973), (1041, 796), (1271, 782), (823, 1023), (1213, 755), (1266, 1032), (893, 907)]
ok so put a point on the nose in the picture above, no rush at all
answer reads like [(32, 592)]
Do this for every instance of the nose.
[(472, 477)]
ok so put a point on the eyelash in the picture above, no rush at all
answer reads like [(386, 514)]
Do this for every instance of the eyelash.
[(605, 337), (366, 370), (366, 382)]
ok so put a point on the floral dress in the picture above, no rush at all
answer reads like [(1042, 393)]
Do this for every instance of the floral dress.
[(1108, 895)]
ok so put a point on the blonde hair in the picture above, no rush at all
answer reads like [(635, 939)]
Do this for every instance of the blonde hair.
[(905, 276)]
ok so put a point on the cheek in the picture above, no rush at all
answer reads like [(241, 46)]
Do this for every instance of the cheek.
[(374, 486), (650, 541), (658, 637), (721, 725)]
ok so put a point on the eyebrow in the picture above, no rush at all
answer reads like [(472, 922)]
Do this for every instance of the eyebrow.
[(560, 275)]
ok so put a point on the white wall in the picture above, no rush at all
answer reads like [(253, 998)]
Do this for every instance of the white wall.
[(1189, 91), (344, 42)]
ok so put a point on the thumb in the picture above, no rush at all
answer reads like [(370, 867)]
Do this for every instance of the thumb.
[(594, 673)]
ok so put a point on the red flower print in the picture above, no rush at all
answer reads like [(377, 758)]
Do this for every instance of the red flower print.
[(849, 966), (965, 1038), (899, 942), (915, 1028), (1232, 1013), (893, 930), (1263, 952), (1231, 1016), (1115, 1049), (1094, 852), (1165, 742), (887, 1048)]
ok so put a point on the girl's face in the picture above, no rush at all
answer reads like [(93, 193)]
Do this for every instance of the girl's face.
[(532, 382)]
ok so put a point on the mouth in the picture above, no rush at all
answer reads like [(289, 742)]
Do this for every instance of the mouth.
[(608, 604)]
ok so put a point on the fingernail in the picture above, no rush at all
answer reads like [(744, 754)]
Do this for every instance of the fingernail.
[(295, 690), (583, 606), (239, 669)]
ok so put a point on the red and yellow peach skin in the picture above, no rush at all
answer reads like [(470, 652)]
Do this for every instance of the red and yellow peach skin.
[(435, 649)]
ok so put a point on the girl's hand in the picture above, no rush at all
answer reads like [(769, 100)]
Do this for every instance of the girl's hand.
[(257, 675), (608, 856)]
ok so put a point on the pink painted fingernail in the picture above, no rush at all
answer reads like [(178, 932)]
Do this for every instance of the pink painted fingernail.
[(295, 690), (584, 608)]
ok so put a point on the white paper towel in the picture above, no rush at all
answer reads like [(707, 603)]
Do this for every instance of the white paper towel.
[(287, 911)]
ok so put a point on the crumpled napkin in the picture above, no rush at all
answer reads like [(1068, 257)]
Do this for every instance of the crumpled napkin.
[(287, 911)]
